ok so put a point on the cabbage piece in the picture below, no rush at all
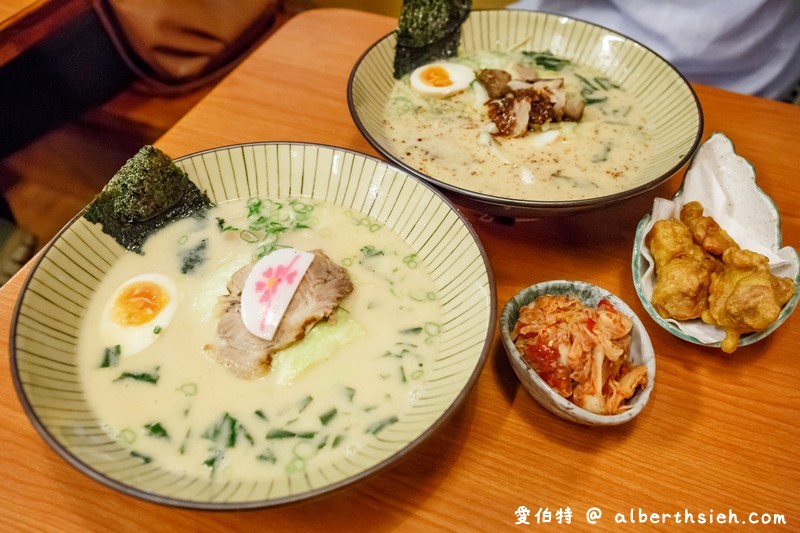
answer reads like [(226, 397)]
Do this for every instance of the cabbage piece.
[(319, 344)]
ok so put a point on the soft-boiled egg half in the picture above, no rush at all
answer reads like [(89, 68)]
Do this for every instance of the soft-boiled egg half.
[(138, 312), (441, 79)]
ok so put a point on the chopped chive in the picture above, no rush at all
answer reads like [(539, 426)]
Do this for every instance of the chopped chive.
[(380, 425), (280, 434), (587, 84), (327, 416), (304, 403)]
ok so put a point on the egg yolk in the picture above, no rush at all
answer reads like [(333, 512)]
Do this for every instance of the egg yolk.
[(436, 76), (139, 303)]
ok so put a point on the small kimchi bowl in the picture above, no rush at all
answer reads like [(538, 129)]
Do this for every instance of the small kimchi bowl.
[(641, 352)]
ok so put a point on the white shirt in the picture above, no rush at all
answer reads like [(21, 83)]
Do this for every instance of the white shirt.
[(745, 46)]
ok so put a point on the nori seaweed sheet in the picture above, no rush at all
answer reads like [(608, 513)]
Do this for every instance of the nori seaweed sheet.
[(146, 194), (428, 30)]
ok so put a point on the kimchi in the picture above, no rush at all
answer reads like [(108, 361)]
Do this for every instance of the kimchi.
[(581, 352)]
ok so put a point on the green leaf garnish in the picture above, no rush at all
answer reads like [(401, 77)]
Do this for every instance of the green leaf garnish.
[(146, 377), (546, 60), (156, 430), (111, 357), (226, 432)]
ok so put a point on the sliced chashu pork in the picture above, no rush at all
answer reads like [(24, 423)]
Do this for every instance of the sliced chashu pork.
[(324, 285)]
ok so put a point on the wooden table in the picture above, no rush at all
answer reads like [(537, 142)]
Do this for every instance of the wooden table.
[(720, 434)]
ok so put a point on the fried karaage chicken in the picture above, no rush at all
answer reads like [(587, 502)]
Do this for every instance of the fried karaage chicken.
[(744, 296), (701, 272), (705, 230), (683, 271)]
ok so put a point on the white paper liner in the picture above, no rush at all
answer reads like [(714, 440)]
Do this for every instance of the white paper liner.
[(724, 183)]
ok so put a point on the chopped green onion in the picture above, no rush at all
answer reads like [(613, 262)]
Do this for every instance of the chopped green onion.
[(433, 329), (371, 251), (380, 425), (304, 403), (410, 261), (327, 416), (128, 436), (188, 389), (280, 434)]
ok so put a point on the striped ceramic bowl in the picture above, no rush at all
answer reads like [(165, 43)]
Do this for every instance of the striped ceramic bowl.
[(675, 119), (49, 313), (641, 352)]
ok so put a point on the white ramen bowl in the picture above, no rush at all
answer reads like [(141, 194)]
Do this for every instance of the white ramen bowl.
[(55, 296), (641, 352), (674, 114)]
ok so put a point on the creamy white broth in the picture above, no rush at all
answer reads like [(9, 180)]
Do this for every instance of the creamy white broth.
[(597, 156), (326, 413)]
